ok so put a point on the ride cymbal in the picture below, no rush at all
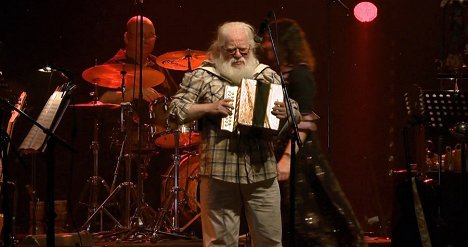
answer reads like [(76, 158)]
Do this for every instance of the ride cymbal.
[(110, 76), (181, 60)]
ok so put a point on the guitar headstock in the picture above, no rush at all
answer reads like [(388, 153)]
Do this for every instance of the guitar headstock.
[(20, 104)]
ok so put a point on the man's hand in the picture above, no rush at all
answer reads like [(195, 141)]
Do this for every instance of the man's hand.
[(284, 166), (279, 110), (222, 107)]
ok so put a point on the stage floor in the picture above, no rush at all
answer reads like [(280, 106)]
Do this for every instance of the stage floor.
[(87, 239)]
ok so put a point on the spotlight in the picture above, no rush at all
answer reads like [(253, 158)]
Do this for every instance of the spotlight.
[(46, 69), (365, 11)]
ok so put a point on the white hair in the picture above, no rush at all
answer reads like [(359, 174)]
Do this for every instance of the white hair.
[(223, 33)]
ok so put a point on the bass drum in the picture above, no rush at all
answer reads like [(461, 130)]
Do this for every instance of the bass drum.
[(189, 197)]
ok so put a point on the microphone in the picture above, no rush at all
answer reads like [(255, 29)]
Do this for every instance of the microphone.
[(263, 26)]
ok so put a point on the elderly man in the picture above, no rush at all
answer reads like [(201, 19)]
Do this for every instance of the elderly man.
[(238, 170)]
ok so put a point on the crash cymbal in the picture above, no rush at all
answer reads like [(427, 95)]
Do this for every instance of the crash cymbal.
[(109, 75), (179, 60), (98, 104)]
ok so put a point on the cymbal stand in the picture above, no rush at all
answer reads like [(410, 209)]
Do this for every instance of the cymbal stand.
[(189, 57), (144, 214), (134, 226), (173, 230), (126, 110), (95, 182)]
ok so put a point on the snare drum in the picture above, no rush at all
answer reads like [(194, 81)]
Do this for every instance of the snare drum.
[(164, 131)]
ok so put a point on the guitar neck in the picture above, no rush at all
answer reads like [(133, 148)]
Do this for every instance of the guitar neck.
[(14, 116)]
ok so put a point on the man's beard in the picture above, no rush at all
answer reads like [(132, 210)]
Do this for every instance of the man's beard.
[(236, 74)]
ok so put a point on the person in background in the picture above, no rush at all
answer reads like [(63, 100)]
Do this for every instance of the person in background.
[(131, 55), (151, 125), (237, 169), (326, 218)]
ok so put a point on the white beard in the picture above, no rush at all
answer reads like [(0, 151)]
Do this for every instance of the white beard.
[(236, 74)]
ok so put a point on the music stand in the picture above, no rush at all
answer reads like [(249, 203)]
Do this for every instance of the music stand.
[(41, 138), (442, 110)]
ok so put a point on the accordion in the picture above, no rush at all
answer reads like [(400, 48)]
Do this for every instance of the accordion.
[(252, 105)]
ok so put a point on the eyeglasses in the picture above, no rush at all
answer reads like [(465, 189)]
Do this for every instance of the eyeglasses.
[(242, 50)]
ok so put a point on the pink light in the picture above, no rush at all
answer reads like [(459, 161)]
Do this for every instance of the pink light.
[(365, 11)]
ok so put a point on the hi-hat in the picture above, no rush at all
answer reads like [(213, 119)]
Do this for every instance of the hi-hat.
[(181, 60), (110, 76), (97, 104)]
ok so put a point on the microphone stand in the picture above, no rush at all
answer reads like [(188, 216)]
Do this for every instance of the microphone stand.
[(137, 219), (50, 211), (295, 139), (138, 212), (8, 238)]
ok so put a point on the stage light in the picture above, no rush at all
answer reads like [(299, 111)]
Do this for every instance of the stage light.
[(365, 11), (46, 69)]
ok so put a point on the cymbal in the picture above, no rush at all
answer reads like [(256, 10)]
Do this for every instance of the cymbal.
[(179, 60), (98, 104), (109, 75)]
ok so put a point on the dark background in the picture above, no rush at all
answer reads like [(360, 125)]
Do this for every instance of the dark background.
[(363, 70)]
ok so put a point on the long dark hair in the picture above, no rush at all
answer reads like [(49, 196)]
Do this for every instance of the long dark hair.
[(292, 43)]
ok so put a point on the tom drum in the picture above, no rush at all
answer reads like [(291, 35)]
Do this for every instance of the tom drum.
[(164, 131)]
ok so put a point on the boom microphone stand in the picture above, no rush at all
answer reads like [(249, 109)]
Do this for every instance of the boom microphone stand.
[(8, 237), (139, 232), (295, 139)]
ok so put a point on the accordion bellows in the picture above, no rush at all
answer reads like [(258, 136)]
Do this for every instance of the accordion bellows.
[(252, 105)]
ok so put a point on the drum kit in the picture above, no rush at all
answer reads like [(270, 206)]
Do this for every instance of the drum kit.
[(179, 202)]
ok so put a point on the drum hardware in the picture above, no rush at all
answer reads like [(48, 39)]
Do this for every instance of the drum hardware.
[(123, 76), (95, 183), (130, 191), (139, 228), (139, 224), (133, 226), (129, 186), (172, 204)]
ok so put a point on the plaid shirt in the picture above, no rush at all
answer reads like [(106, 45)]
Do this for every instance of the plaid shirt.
[(238, 157)]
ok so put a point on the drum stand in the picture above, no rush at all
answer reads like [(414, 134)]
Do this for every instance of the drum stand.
[(128, 185), (95, 183), (133, 227), (173, 230), (143, 214)]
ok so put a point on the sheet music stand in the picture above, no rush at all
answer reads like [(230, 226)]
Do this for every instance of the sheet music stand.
[(444, 109), (41, 138)]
